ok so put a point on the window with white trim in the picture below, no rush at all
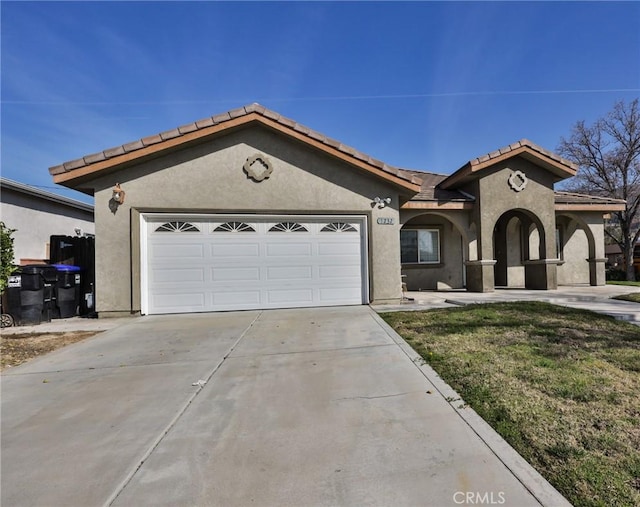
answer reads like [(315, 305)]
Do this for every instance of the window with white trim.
[(420, 246)]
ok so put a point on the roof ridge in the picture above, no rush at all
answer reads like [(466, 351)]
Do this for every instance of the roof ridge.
[(218, 119)]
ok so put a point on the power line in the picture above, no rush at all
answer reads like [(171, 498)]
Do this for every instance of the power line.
[(328, 98)]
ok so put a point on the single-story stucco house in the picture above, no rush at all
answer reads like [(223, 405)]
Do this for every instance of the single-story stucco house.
[(36, 215), (251, 210)]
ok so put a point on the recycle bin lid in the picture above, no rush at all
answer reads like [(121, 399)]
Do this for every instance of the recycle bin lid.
[(66, 267)]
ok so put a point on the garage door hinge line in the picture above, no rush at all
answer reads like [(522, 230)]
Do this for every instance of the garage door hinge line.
[(175, 419)]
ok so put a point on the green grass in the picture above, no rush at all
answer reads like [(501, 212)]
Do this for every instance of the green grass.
[(634, 296), (562, 386), (634, 284)]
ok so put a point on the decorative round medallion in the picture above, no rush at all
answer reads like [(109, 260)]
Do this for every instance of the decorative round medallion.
[(518, 181), (258, 167)]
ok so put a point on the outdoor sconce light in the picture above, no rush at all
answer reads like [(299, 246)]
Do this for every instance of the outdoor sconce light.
[(382, 202), (118, 194)]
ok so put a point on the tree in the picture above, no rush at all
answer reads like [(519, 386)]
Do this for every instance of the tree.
[(6, 255), (608, 155)]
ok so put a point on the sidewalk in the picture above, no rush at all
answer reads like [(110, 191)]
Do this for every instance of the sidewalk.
[(596, 299)]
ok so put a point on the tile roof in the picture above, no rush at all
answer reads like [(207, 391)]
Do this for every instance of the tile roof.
[(220, 120), (523, 143), (573, 198), (559, 166), (430, 191)]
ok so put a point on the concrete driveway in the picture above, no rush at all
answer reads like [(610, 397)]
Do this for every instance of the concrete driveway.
[(284, 407)]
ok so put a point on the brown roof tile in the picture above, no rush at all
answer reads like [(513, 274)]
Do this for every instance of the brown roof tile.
[(96, 157), (189, 127), (573, 198), (170, 134), (148, 141), (219, 119), (114, 152), (135, 145)]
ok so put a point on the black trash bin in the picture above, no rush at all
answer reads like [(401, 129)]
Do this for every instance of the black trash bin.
[(12, 304), (31, 295), (67, 290), (50, 276)]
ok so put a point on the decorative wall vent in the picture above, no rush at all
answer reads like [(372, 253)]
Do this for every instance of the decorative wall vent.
[(258, 167), (338, 227), (518, 181), (288, 227), (234, 227), (177, 227)]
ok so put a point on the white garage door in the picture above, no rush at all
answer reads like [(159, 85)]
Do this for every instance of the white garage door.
[(203, 264)]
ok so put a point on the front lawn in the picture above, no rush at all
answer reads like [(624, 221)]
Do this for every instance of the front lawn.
[(562, 386), (634, 296), (634, 284)]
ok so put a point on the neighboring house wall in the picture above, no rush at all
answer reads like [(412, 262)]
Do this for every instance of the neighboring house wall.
[(36, 217), (208, 178)]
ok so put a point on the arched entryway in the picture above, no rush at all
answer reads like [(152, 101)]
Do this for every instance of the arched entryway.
[(582, 261), (520, 251), (433, 251)]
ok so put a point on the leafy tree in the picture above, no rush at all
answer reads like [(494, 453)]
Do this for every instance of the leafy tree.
[(608, 154), (6, 255)]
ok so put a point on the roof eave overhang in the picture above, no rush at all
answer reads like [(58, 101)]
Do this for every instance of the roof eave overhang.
[(440, 205), (78, 177), (589, 207), (469, 171)]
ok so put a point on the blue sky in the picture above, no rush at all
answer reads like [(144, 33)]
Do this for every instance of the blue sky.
[(420, 85)]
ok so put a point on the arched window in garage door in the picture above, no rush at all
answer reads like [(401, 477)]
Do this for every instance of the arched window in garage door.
[(234, 227), (177, 227), (338, 227), (288, 227)]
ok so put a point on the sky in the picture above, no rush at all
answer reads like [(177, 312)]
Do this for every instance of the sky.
[(419, 85)]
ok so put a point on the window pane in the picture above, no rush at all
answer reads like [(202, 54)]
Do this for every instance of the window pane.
[(429, 247), (408, 246)]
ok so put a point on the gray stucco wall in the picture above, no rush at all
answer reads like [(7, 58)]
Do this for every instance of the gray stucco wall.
[(36, 220), (449, 273), (209, 178)]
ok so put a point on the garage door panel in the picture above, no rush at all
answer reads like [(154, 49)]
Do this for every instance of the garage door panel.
[(340, 272), (168, 250), (237, 298), (286, 249), (339, 248), (289, 296), (289, 273), (175, 303), (177, 275), (221, 250), (225, 274), (339, 295), (318, 263)]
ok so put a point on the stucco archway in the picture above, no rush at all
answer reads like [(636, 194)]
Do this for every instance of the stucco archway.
[(520, 251), (582, 261), (447, 271)]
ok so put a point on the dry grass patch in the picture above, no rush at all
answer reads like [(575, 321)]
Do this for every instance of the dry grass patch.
[(18, 348), (560, 385)]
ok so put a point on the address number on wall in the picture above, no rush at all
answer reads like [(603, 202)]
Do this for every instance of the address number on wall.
[(385, 221)]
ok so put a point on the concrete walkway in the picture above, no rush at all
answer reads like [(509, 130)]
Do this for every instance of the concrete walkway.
[(596, 299), (305, 407)]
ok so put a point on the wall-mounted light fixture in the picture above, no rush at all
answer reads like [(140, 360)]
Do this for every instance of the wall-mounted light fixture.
[(118, 194), (381, 202)]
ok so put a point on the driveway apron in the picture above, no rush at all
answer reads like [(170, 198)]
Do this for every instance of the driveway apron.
[(284, 407)]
